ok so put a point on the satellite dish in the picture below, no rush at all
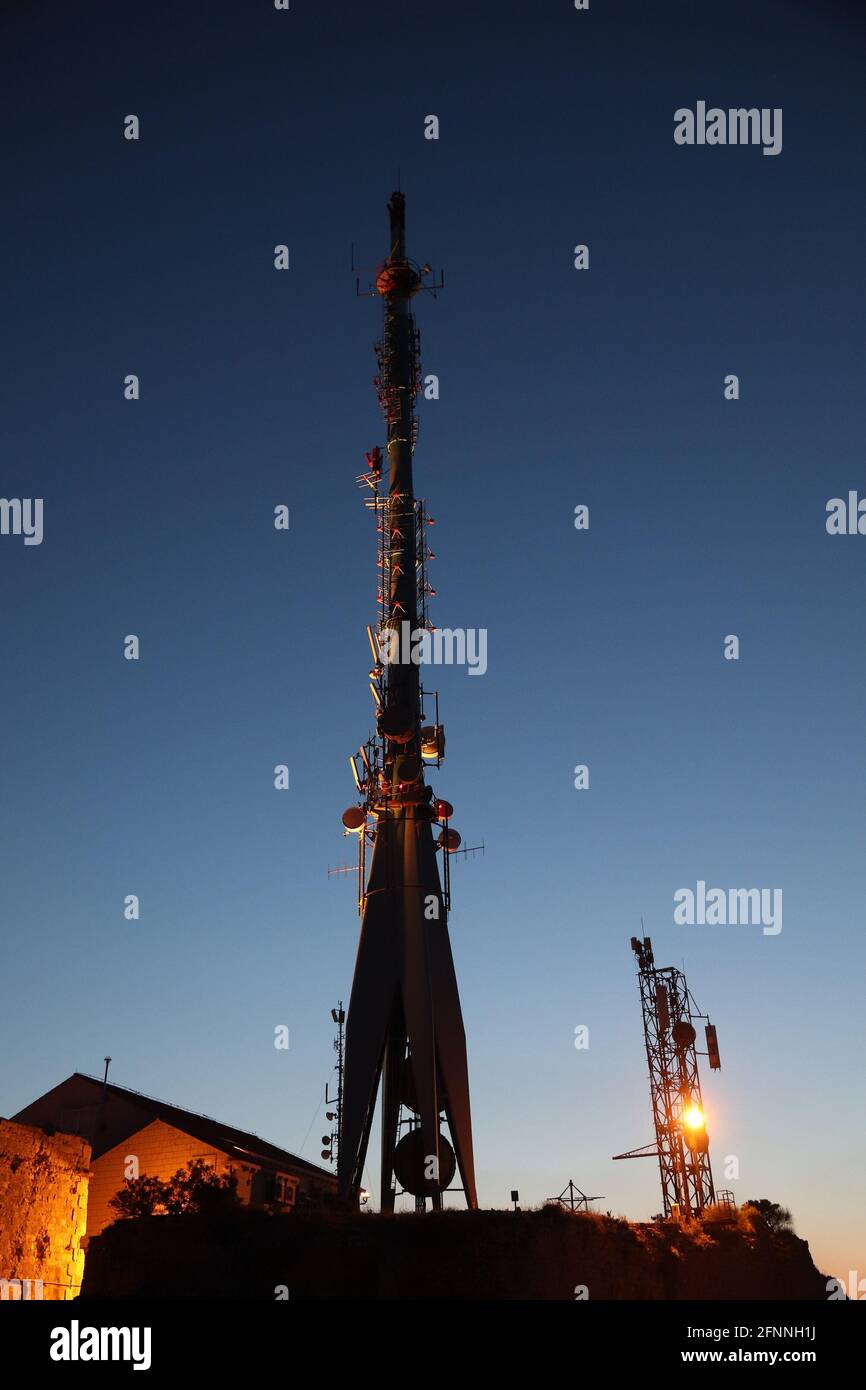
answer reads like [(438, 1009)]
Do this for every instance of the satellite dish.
[(354, 818), (449, 840), (683, 1034), (410, 1162), (407, 769), (396, 724), (433, 742), (698, 1140)]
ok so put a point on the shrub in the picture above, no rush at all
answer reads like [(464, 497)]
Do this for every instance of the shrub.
[(777, 1217), (191, 1190)]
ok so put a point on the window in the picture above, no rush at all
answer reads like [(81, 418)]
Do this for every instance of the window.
[(286, 1188)]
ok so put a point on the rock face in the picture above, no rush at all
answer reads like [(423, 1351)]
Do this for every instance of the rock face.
[(43, 1212), (548, 1254)]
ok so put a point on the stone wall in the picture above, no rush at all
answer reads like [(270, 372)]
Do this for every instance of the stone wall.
[(43, 1212)]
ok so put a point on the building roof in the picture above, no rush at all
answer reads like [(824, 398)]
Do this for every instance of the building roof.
[(237, 1143)]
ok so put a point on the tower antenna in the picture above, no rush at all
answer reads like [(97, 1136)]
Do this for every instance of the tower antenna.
[(404, 1028), (682, 1144), (331, 1142)]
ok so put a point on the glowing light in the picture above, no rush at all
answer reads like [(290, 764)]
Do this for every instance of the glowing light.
[(694, 1117)]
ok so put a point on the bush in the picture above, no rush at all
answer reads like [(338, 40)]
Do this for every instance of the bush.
[(777, 1217), (192, 1190)]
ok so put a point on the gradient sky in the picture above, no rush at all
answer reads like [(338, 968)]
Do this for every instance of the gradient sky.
[(605, 647)]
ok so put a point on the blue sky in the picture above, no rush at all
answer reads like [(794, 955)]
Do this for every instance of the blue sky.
[(558, 387)]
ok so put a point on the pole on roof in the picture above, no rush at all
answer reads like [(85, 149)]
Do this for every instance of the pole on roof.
[(97, 1124)]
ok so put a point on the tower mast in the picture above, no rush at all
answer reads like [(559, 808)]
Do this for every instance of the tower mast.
[(404, 1026), (682, 1145)]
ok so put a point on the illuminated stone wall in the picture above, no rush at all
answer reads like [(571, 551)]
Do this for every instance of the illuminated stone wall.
[(43, 1212)]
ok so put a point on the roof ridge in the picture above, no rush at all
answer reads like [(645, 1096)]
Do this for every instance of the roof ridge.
[(201, 1115)]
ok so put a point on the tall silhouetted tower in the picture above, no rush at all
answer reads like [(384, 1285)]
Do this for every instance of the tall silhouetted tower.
[(404, 1025)]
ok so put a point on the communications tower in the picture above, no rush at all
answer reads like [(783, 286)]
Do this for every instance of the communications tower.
[(404, 1028), (682, 1144)]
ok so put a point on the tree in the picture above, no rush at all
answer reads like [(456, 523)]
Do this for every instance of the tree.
[(777, 1217), (195, 1189), (204, 1192), (138, 1197)]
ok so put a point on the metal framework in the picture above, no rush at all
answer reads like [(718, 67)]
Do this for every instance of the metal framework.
[(572, 1198), (682, 1143), (331, 1141), (404, 1027)]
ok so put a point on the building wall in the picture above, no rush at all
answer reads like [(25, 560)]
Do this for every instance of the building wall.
[(43, 1211), (123, 1126), (160, 1150), (74, 1107)]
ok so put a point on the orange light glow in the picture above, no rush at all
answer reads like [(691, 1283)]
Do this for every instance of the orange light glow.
[(694, 1117)]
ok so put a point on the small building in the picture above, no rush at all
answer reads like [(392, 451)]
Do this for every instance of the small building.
[(135, 1135)]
